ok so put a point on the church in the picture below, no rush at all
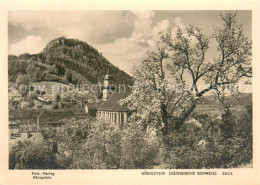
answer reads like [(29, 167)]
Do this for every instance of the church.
[(110, 107)]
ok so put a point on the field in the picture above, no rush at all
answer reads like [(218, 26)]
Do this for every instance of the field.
[(212, 111), (50, 89)]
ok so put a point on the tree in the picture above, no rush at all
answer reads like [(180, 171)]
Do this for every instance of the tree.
[(23, 79), (139, 148), (27, 155), (68, 77), (35, 71), (87, 144), (181, 54), (23, 82), (102, 148), (61, 70), (15, 68), (27, 104), (100, 144), (70, 140)]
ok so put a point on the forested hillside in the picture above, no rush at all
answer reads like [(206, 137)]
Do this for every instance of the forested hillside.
[(67, 61)]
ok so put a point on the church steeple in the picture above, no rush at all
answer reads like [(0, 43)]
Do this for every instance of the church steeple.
[(106, 88), (107, 76)]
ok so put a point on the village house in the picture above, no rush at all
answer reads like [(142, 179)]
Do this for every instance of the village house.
[(27, 120), (79, 113), (30, 121), (14, 129), (91, 109), (54, 119)]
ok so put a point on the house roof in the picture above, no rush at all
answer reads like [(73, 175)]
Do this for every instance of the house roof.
[(112, 103), (24, 113), (14, 121), (33, 114), (92, 107), (14, 126), (79, 112), (54, 115)]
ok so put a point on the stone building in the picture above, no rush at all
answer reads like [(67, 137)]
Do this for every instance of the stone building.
[(54, 119), (14, 128), (26, 119), (110, 107)]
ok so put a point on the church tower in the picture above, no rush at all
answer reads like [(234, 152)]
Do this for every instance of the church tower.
[(106, 88)]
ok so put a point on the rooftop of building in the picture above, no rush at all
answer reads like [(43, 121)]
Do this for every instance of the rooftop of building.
[(33, 114), (48, 116), (112, 103), (24, 113), (93, 107)]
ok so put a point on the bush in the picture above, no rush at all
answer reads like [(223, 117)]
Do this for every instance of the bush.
[(139, 150), (27, 155), (227, 143), (27, 104), (100, 144)]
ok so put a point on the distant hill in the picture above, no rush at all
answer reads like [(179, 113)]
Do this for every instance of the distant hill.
[(211, 106), (66, 61), (239, 99)]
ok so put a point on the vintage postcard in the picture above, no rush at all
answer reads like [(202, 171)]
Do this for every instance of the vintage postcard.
[(158, 92)]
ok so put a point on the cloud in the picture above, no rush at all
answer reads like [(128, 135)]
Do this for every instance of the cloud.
[(122, 36), (160, 27), (163, 25), (31, 44), (126, 52), (91, 26), (134, 49), (143, 20)]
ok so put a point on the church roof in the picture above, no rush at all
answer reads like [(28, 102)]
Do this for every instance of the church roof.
[(112, 103)]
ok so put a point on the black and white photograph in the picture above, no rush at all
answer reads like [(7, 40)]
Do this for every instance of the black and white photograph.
[(129, 92), (130, 89)]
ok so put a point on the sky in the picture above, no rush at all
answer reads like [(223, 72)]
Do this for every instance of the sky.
[(123, 37)]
